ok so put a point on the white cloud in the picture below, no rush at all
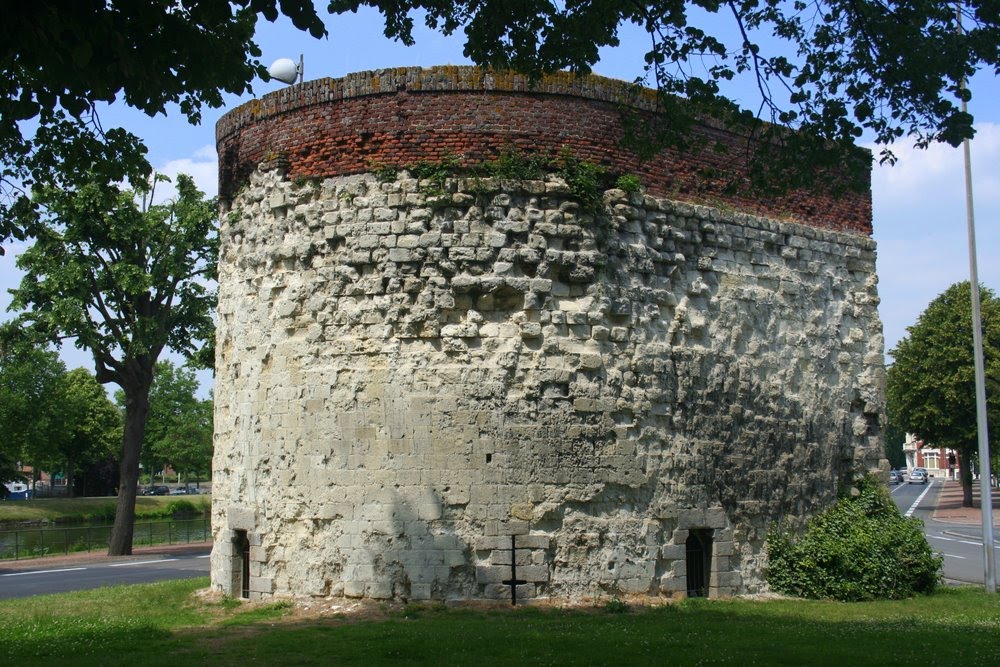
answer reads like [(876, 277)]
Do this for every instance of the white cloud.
[(935, 177), (202, 166), (920, 225)]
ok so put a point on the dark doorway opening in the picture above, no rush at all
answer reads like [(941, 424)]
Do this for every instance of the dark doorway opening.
[(243, 550), (699, 562)]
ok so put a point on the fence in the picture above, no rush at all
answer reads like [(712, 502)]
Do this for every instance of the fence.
[(35, 542)]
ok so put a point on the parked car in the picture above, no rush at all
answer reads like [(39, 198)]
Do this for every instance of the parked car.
[(155, 491), (180, 491), (895, 477), (917, 476)]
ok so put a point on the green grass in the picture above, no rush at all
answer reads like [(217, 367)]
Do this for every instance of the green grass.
[(165, 624), (70, 510)]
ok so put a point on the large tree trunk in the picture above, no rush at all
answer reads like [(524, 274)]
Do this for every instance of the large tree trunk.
[(136, 410), (965, 472)]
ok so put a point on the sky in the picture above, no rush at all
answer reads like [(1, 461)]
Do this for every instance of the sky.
[(919, 204)]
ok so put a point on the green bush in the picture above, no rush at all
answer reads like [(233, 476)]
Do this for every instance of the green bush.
[(585, 180), (630, 183), (515, 165), (859, 549), (104, 512), (182, 509)]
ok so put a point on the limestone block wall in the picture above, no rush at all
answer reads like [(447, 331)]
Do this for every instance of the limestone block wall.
[(407, 377)]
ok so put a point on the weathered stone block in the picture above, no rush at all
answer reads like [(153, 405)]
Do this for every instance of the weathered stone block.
[(239, 518)]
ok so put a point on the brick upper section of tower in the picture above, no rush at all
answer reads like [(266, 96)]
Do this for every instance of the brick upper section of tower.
[(398, 117)]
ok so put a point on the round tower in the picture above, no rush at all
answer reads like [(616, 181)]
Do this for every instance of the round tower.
[(468, 343)]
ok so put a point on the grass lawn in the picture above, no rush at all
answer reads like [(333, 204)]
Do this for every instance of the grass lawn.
[(60, 510), (166, 624)]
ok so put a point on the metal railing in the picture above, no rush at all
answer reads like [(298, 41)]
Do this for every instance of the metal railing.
[(21, 543)]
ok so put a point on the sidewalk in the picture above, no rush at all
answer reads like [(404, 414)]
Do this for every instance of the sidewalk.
[(949, 504)]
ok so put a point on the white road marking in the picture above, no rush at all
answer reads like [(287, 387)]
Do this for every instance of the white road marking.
[(21, 574), (916, 502), (143, 562), (953, 556), (953, 539), (205, 556)]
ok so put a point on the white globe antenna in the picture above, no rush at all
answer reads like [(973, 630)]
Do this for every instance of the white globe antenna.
[(285, 70)]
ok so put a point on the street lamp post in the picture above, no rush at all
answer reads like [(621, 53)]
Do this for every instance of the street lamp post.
[(985, 488)]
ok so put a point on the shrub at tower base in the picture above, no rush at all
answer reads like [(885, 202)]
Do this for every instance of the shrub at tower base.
[(862, 548)]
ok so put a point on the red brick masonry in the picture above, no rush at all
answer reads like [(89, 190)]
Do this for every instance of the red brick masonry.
[(395, 117)]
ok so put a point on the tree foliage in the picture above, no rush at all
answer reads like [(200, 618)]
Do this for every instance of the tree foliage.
[(179, 427), (834, 68), (930, 390), (51, 419), (59, 60), (893, 439), (862, 548), (92, 426), (125, 283), (30, 395)]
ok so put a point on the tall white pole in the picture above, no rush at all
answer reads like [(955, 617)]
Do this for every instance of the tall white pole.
[(985, 488)]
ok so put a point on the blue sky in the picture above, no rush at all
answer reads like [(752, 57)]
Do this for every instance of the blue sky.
[(919, 204)]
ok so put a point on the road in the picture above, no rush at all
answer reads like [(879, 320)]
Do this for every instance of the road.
[(81, 575), (960, 543)]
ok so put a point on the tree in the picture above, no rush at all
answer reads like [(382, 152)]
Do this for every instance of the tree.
[(893, 439), (50, 419), (833, 68), (179, 427), (59, 60), (91, 425), (125, 283), (31, 393), (187, 445), (931, 384)]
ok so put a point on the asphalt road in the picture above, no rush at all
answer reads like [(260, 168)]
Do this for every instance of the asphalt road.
[(960, 543), (94, 574)]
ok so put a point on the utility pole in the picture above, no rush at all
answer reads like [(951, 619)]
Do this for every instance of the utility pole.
[(985, 488)]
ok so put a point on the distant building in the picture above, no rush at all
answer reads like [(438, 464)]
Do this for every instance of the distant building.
[(939, 461)]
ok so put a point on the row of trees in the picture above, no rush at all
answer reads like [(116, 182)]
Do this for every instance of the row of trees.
[(54, 420), (124, 279), (63, 422), (931, 382)]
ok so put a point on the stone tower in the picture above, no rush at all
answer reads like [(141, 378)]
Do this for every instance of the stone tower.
[(422, 362)]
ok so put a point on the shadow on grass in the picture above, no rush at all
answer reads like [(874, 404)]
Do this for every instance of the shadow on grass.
[(952, 627)]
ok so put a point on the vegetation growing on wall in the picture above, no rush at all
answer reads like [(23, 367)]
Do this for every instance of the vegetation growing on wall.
[(587, 180)]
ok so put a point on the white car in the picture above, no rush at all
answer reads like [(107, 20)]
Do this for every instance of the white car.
[(917, 476)]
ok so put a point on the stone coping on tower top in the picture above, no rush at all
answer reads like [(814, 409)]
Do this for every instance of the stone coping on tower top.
[(441, 78)]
